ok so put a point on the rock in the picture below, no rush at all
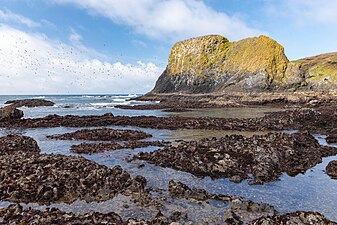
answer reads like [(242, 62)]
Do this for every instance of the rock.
[(301, 218), (319, 71), (212, 63), (30, 103), (13, 144), (90, 148), (266, 157), (104, 134), (332, 137), (10, 113), (331, 169), (29, 177)]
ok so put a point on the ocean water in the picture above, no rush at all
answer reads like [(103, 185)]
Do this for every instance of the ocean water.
[(82, 105), (311, 191)]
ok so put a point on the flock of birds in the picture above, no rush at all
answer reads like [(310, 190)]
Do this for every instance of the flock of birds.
[(50, 60)]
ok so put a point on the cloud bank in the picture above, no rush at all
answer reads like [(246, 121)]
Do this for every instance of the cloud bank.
[(163, 19), (33, 63)]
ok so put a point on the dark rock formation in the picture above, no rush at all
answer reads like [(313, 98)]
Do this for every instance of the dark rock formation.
[(30, 103), (13, 144), (103, 134), (28, 176), (266, 157), (15, 214), (331, 169), (90, 148), (301, 218), (332, 137), (10, 113)]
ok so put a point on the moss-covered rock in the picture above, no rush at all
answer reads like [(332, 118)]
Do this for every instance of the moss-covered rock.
[(319, 72), (212, 63)]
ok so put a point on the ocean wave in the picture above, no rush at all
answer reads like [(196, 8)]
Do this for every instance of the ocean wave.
[(39, 97)]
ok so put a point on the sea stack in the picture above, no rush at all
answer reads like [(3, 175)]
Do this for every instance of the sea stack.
[(213, 64)]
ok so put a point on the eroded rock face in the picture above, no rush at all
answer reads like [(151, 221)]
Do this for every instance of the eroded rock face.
[(13, 144), (10, 113), (212, 63), (320, 71), (266, 157), (30, 103), (331, 169), (103, 134)]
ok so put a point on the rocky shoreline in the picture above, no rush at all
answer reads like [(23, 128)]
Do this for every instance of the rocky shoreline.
[(30, 177), (239, 212), (258, 159), (27, 176)]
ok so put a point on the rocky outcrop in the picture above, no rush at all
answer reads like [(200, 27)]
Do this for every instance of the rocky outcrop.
[(213, 64), (259, 159), (30, 103), (10, 113), (301, 218), (331, 169), (13, 144), (46, 179), (104, 134), (319, 72)]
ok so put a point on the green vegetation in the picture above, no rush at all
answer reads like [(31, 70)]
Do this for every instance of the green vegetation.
[(214, 55)]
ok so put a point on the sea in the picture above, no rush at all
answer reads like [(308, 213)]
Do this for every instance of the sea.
[(311, 191)]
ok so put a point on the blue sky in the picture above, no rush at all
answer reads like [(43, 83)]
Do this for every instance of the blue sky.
[(121, 46)]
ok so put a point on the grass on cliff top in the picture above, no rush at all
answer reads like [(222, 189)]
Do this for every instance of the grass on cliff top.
[(319, 67)]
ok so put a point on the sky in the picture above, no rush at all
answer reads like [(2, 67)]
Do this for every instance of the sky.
[(122, 46)]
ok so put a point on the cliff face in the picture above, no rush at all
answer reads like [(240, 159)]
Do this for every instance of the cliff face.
[(319, 72), (213, 64)]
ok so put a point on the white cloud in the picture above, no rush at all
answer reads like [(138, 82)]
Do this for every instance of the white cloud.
[(174, 19), (33, 63), (306, 12), (8, 16)]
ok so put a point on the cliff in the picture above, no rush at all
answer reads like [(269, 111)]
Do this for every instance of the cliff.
[(212, 63)]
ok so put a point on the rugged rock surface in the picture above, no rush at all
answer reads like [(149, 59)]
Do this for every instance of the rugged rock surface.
[(10, 113), (318, 120), (332, 136), (28, 176), (331, 169), (90, 148), (48, 179), (266, 157), (30, 103), (240, 211), (15, 214), (103, 134), (13, 144), (212, 64), (301, 218), (247, 212), (319, 72)]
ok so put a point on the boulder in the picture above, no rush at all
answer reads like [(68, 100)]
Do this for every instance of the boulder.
[(10, 113), (30, 103), (331, 169)]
